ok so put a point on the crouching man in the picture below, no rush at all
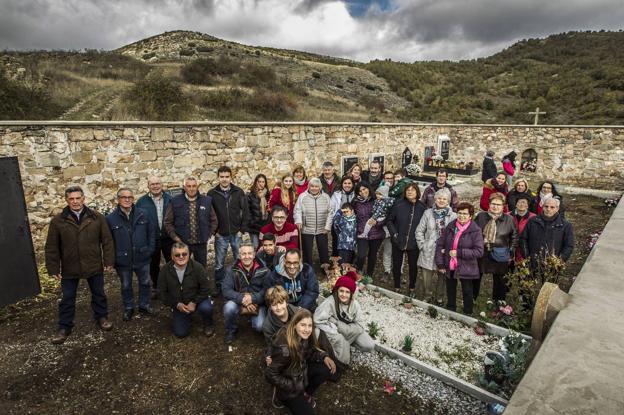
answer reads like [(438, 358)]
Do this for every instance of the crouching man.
[(183, 286), (243, 290)]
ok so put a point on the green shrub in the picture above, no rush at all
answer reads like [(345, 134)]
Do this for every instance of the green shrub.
[(256, 75), (372, 102), (205, 49), (20, 102), (147, 56), (224, 99), (316, 75), (187, 52), (271, 105), (157, 98)]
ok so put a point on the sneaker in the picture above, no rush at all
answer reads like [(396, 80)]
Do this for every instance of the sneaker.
[(147, 310), (229, 337), (104, 324), (60, 336)]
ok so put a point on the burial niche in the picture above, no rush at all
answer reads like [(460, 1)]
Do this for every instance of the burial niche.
[(529, 160)]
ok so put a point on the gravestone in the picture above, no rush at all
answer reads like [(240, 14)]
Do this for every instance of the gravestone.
[(19, 278), (444, 146), (406, 158)]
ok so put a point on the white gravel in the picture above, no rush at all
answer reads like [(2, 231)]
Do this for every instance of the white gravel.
[(438, 397), (446, 344)]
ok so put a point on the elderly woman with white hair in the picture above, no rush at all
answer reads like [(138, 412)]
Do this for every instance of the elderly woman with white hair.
[(428, 232), (313, 216)]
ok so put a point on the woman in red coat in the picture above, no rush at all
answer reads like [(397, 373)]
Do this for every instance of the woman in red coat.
[(284, 195), (495, 185), (301, 180), (521, 216)]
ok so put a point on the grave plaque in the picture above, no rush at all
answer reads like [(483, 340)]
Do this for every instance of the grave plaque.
[(19, 278), (347, 162), (444, 145), (406, 158)]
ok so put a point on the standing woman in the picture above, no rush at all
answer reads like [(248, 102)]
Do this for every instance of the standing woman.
[(313, 217), (520, 189), (356, 173), (293, 347), (366, 247), (301, 179), (509, 166), (495, 185), (344, 194), (284, 195), (402, 222), (427, 234), (545, 191), (258, 201), (500, 237), (457, 254)]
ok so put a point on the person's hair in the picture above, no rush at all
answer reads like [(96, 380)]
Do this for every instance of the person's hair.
[(412, 186), (179, 245), (523, 196), (268, 237), (374, 162), (254, 187), (288, 194), (299, 169), (189, 179), (275, 295), (443, 193), (464, 206), (224, 169), (556, 199), (442, 171), (293, 251), (247, 245), (123, 189), (293, 340), (72, 189), (511, 156), (344, 178), (402, 172), (497, 195), (359, 187), (328, 164), (354, 166), (550, 182), (526, 184), (498, 173), (347, 205), (315, 181), (387, 172), (337, 300), (278, 208)]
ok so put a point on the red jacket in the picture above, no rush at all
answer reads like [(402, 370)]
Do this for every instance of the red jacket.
[(288, 236), (520, 224), (488, 189), (276, 200), (302, 188)]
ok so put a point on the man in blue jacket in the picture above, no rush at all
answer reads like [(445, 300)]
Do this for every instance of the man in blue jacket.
[(135, 239), (298, 279), (155, 202), (243, 291), (191, 219)]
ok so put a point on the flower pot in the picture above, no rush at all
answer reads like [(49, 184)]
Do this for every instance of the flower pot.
[(408, 306)]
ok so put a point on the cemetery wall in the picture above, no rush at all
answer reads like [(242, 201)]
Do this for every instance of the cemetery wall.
[(102, 156)]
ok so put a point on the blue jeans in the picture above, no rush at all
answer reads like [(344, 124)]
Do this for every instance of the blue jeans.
[(230, 315), (67, 306), (255, 240), (182, 322), (221, 248), (127, 295)]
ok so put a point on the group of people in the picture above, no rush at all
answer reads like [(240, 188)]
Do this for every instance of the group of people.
[(272, 278)]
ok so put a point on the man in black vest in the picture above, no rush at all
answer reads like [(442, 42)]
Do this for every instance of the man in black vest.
[(191, 219), (230, 205)]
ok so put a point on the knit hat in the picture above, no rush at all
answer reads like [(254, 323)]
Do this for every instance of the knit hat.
[(348, 281), (384, 190)]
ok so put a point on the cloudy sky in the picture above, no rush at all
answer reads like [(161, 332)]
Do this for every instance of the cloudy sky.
[(405, 30)]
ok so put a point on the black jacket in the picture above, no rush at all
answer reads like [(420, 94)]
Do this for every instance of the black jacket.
[(489, 169), (373, 181), (238, 282), (232, 210), (506, 231), (402, 222), (194, 285), (541, 237), (512, 198), (255, 214)]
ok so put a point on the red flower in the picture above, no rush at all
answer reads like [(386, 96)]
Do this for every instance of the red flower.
[(388, 388)]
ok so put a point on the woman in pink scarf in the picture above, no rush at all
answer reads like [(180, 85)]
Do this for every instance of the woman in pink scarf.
[(457, 254)]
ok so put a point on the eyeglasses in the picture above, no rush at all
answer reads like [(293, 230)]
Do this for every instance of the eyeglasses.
[(496, 204), (181, 254), (126, 197), (279, 217)]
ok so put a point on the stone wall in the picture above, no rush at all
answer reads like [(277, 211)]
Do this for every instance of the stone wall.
[(103, 156)]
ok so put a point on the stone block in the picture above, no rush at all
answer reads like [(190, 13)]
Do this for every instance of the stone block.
[(162, 134), (93, 168), (147, 155), (81, 134), (82, 157), (48, 160), (73, 172)]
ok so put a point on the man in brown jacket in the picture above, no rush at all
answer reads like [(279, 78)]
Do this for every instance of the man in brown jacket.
[(79, 245)]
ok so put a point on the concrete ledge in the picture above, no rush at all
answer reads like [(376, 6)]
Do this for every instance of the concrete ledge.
[(579, 368)]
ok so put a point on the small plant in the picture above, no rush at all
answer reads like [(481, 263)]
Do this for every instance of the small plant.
[(326, 292), (407, 302), (149, 55), (187, 52), (316, 75), (480, 328), (432, 311), (408, 342), (367, 279), (373, 329)]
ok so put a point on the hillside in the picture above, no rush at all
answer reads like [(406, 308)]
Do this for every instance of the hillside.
[(577, 78)]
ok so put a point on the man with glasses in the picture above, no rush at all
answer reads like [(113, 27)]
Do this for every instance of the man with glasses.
[(135, 240), (79, 246), (297, 278), (155, 202), (183, 286), (286, 234), (191, 219)]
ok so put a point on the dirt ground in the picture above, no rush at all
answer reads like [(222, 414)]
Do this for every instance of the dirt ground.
[(140, 367)]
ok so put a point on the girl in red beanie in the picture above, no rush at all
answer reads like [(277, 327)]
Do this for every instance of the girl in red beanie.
[(340, 318)]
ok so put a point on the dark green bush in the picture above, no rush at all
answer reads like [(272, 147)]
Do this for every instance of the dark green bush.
[(147, 56), (187, 52), (157, 98), (20, 102), (205, 49), (256, 75)]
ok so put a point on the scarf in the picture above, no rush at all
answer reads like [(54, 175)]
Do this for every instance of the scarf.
[(459, 230), (544, 197), (489, 232), (439, 215), (499, 188), (263, 202), (300, 182), (346, 197)]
